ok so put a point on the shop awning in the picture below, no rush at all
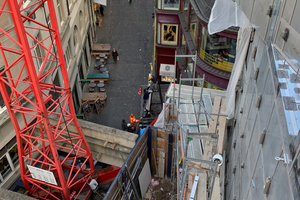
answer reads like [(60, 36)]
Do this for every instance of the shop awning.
[(167, 70), (102, 2)]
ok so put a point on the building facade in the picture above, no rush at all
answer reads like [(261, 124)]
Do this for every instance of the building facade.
[(182, 26), (263, 150), (77, 30)]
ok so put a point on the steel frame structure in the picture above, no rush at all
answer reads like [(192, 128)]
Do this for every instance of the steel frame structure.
[(182, 146), (26, 103)]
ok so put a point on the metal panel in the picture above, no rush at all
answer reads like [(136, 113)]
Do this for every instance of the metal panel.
[(247, 7), (266, 104), (272, 145), (259, 16), (257, 181), (279, 189), (254, 146)]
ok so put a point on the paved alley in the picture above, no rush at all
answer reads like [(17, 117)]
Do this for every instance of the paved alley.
[(129, 29)]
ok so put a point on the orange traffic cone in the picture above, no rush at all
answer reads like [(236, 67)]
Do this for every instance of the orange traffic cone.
[(140, 91)]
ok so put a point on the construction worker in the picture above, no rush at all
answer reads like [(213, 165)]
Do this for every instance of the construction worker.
[(133, 121)]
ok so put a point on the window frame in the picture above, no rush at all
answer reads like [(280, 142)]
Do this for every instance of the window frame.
[(173, 43)]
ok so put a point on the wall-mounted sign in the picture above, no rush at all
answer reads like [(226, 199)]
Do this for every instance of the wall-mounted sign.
[(42, 175), (167, 72)]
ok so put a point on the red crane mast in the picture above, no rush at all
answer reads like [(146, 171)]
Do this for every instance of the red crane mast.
[(38, 138)]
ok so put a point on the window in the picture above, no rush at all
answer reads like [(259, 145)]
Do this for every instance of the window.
[(75, 37), (13, 153), (86, 8), (8, 158), (186, 4), (169, 34), (158, 33), (170, 4), (183, 40), (68, 54), (217, 50), (59, 11), (193, 30), (80, 21), (37, 52), (5, 168)]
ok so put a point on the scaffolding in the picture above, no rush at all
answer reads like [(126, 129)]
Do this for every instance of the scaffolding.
[(187, 113)]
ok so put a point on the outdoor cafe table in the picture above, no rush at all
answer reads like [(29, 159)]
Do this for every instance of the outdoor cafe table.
[(93, 96)]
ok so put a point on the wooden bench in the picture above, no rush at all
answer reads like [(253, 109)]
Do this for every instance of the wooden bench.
[(85, 80), (80, 116), (99, 77), (98, 49)]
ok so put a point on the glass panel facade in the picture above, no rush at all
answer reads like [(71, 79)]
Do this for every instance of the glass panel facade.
[(5, 168), (217, 50), (169, 34), (170, 4)]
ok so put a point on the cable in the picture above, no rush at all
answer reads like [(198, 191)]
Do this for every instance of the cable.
[(98, 194)]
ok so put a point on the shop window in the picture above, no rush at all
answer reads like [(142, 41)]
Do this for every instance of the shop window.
[(217, 50), (170, 4), (169, 34)]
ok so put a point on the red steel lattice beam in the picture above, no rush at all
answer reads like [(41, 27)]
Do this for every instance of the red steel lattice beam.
[(30, 91)]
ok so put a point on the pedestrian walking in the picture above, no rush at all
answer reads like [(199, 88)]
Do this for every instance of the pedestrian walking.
[(115, 55), (101, 10)]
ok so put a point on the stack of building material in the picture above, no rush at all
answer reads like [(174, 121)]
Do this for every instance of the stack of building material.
[(162, 144)]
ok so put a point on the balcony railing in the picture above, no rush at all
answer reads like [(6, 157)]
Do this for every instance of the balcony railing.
[(216, 62)]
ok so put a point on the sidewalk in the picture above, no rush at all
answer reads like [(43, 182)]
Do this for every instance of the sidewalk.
[(129, 29)]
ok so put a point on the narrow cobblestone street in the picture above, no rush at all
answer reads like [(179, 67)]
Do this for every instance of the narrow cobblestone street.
[(129, 29)]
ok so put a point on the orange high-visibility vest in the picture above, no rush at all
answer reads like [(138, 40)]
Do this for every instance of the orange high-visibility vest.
[(133, 121)]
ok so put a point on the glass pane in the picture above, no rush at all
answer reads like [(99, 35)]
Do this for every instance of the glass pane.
[(186, 4), (4, 167), (13, 153), (193, 30), (217, 50), (171, 4), (183, 40), (169, 34), (158, 33)]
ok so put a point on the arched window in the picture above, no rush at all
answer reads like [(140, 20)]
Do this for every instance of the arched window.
[(75, 36), (80, 20), (86, 8)]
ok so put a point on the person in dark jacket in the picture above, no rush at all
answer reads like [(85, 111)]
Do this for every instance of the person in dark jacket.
[(101, 10), (115, 55), (124, 125), (146, 95)]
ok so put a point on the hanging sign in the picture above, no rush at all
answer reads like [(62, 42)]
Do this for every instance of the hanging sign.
[(42, 175)]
